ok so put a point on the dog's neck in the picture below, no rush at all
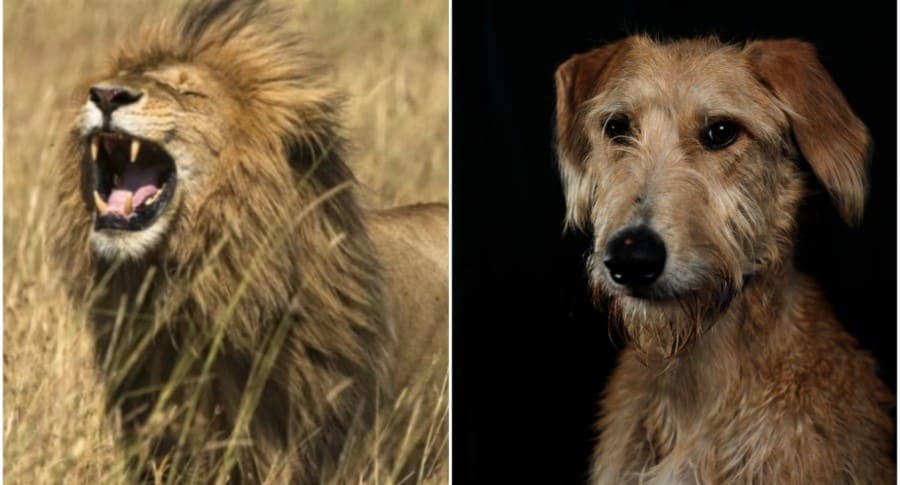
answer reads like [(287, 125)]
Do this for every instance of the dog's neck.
[(681, 390), (754, 315)]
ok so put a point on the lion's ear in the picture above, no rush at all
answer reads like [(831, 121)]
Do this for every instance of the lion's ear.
[(833, 140), (577, 80)]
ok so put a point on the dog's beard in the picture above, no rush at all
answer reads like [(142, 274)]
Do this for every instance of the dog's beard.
[(662, 329)]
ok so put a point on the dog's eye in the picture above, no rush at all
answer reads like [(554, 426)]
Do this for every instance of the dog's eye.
[(615, 128), (720, 134)]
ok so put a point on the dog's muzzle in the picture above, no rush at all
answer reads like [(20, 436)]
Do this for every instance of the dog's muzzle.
[(635, 257)]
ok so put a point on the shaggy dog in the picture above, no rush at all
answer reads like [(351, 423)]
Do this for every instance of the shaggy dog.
[(681, 157), (251, 320)]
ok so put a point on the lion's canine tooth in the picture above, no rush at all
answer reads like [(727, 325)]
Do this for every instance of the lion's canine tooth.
[(98, 201), (135, 147), (128, 207), (95, 147)]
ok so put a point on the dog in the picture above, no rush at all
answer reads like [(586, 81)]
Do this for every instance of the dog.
[(683, 160)]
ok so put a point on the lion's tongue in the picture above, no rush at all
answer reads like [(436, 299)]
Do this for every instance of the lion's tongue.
[(137, 182), (119, 198)]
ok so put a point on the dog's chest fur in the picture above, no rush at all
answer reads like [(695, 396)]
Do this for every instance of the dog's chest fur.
[(758, 395)]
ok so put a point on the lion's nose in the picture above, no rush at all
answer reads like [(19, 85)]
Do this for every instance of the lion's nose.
[(635, 257), (110, 98)]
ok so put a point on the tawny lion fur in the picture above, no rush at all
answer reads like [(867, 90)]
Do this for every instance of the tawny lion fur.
[(266, 255), (736, 370)]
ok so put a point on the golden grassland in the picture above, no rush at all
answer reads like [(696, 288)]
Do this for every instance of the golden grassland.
[(390, 56)]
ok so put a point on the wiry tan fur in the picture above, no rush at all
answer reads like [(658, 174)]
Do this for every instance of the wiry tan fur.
[(264, 277), (736, 370)]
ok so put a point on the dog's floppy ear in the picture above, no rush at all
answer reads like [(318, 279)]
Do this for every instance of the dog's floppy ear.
[(832, 139), (577, 80)]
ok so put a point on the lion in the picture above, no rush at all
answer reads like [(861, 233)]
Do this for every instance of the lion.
[(252, 320)]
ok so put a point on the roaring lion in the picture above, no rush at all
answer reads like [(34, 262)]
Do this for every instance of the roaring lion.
[(252, 321)]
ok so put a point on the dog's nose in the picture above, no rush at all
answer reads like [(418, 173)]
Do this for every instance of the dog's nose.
[(635, 257), (109, 98)]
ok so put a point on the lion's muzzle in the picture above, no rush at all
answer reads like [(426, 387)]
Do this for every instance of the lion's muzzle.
[(110, 98)]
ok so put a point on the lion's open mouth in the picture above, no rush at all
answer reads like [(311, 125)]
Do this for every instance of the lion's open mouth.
[(134, 180)]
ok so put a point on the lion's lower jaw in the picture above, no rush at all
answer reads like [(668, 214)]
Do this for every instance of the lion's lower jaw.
[(132, 245)]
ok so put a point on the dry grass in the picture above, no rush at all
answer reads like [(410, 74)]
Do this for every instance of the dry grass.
[(390, 56)]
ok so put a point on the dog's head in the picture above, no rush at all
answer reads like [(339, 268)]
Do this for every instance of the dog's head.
[(681, 157)]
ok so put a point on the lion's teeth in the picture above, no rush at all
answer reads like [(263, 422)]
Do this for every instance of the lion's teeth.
[(127, 207), (153, 198), (135, 148), (95, 147), (98, 201)]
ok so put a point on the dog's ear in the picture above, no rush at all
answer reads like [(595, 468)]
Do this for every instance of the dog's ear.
[(577, 80), (832, 139)]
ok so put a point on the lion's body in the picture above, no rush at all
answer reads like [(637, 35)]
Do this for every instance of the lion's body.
[(266, 319), (415, 258)]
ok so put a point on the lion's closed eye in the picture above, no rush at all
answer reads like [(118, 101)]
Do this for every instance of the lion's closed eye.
[(180, 84)]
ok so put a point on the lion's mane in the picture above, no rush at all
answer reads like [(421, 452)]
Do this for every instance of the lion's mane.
[(279, 259)]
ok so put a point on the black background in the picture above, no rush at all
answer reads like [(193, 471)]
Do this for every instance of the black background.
[(530, 354)]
